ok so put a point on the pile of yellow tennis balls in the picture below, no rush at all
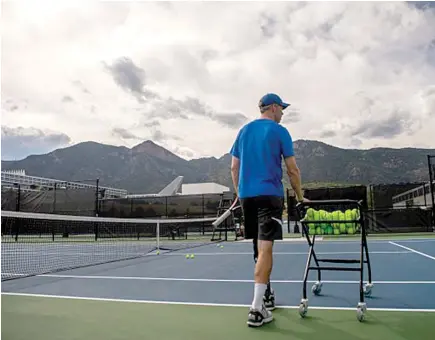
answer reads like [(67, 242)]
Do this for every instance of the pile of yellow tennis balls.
[(333, 228)]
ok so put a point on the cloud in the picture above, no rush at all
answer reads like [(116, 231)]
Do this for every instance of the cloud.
[(19, 142), (124, 134), (386, 128), (121, 72), (130, 78)]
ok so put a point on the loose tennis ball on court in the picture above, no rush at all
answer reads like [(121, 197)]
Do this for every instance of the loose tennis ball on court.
[(192, 256), (187, 256), (222, 246), (157, 252)]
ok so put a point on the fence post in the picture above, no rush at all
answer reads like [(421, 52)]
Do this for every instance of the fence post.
[(431, 187), (96, 197)]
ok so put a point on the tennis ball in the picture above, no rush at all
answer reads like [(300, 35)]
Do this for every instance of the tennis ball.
[(158, 252), (323, 216), (335, 216), (192, 256), (310, 214), (187, 256)]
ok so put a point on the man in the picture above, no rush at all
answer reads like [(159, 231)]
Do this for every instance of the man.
[(256, 171)]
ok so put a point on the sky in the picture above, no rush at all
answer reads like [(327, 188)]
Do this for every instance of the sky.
[(188, 76)]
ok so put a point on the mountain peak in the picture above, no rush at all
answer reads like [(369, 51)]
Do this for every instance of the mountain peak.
[(150, 148)]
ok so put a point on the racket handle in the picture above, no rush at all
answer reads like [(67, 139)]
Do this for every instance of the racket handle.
[(222, 218)]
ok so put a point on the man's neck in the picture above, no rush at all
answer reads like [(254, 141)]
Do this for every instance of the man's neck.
[(266, 117)]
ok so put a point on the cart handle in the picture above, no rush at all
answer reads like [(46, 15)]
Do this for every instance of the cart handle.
[(329, 202)]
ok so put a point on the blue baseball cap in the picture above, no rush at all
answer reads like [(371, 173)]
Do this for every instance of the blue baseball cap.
[(272, 98)]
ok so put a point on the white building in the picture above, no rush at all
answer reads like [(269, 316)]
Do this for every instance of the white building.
[(203, 188), (420, 196)]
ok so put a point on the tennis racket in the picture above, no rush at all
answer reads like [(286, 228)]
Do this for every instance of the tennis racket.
[(225, 215)]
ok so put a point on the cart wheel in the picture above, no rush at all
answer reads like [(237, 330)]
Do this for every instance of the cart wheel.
[(368, 289), (303, 308), (360, 311), (317, 288)]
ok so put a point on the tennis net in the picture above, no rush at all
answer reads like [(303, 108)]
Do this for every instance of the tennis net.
[(35, 243)]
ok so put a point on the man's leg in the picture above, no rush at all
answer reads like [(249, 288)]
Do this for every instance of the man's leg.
[(269, 296), (258, 314), (270, 229)]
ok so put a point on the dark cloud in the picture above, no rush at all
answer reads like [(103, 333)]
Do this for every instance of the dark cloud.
[(268, 25), (17, 143), (127, 75), (328, 134), (423, 5), (397, 123), (131, 78), (159, 136), (154, 134), (175, 108), (123, 133), (232, 120)]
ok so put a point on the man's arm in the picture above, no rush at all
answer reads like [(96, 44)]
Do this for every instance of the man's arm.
[(290, 163), (295, 176), (235, 167)]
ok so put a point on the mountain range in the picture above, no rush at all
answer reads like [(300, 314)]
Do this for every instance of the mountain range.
[(148, 167)]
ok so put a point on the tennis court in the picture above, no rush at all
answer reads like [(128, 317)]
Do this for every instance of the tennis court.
[(169, 296)]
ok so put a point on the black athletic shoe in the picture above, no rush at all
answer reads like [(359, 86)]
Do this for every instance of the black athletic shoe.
[(257, 318), (269, 300)]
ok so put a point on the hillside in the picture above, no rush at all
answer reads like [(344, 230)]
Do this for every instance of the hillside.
[(148, 167)]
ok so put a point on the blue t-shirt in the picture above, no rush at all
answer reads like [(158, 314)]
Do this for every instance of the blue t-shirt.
[(260, 145)]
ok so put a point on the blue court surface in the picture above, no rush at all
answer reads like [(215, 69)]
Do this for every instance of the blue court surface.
[(403, 273)]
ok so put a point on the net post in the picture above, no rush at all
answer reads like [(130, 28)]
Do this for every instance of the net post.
[(97, 196), (18, 201)]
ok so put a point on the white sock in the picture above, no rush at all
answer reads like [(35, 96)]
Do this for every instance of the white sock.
[(259, 291)]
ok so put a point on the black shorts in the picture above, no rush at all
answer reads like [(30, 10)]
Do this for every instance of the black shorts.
[(263, 217)]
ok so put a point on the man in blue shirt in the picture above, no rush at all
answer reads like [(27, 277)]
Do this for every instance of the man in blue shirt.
[(256, 171)]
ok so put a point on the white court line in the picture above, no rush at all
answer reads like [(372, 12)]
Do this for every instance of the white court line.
[(293, 253), (413, 250), (207, 304), (145, 278), (205, 254)]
